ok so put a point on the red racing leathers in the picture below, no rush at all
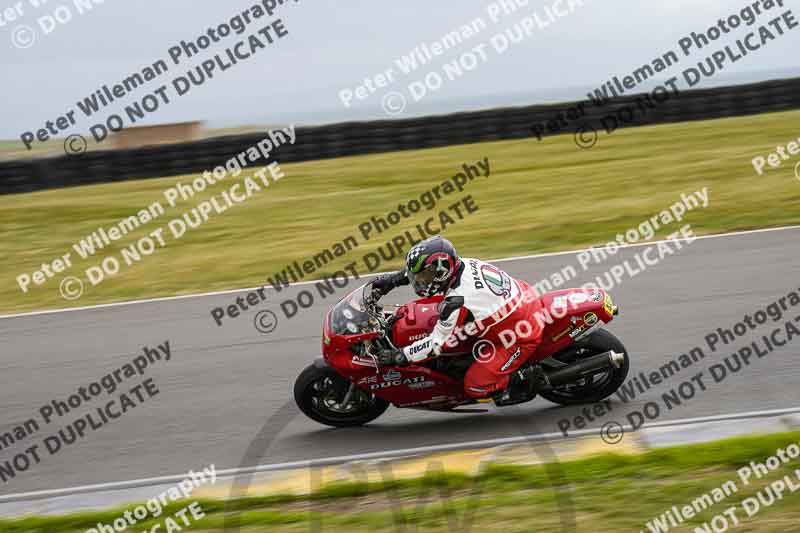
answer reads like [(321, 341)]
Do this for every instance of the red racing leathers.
[(485, 302)]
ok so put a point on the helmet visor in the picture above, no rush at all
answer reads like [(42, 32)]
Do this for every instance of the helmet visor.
[(422, 281)]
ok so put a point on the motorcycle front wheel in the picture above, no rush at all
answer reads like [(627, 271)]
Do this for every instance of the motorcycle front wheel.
[(320, 391)]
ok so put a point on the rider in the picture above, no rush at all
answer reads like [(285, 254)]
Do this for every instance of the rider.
[(475, 292)]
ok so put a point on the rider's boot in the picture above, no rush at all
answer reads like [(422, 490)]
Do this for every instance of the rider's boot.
[(522, 386)]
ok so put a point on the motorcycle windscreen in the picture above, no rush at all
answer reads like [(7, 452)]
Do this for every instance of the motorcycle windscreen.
[(349, 318)]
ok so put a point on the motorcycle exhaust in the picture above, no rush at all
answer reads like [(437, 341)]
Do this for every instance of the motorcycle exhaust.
[(592, 365)]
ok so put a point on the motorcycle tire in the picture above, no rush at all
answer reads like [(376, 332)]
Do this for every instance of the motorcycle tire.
[(599, 342), (314, 400)]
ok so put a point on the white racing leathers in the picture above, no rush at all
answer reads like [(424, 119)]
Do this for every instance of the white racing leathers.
[(490, 295)]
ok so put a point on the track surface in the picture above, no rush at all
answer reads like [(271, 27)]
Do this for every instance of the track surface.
[(226, 386)]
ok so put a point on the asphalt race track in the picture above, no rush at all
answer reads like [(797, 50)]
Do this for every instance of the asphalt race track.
[(226, 386)]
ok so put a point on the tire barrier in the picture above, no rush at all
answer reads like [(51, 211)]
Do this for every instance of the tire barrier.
[(359, 138)]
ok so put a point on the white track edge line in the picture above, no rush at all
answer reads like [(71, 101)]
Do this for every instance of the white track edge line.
[(499, 260)]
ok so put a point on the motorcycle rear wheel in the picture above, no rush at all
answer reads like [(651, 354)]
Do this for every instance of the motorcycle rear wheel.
[(599, 386), (318, 392)]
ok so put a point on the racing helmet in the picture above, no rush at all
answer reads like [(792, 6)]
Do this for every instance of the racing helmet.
[(431, 266)]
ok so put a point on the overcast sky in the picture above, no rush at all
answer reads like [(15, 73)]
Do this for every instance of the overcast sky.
[(335, 44)]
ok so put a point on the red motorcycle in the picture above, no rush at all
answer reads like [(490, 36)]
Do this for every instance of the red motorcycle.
[(577, 361)]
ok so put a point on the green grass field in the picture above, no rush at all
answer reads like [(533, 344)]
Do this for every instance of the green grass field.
[(603, 494), (541, 196)]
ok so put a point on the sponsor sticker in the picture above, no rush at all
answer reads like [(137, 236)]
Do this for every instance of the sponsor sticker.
[(416, 349), (362, 361), (397, 382), (391, 375), (422, 385), (608, 305), (578, 331), (559, 303), (514, 357), (578, 298), (557, 337), (496, 280)]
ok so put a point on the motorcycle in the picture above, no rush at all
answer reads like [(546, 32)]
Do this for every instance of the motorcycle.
[(578, 361)]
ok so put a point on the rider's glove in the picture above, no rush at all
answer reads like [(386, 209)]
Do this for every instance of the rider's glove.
[(383, 285), (392, 357), (372, 298)]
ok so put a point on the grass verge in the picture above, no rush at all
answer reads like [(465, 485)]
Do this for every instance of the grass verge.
[(604, 493), (541, 196)]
